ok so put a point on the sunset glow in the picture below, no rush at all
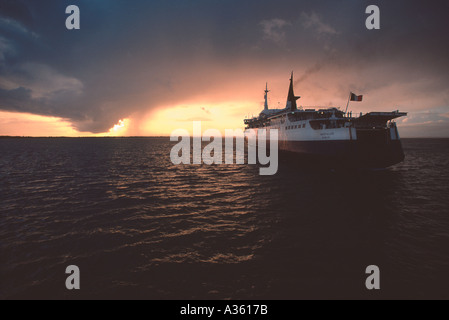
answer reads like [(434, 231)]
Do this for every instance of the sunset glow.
[(219, 116), (119, 129), (30, 125), (22, 124)]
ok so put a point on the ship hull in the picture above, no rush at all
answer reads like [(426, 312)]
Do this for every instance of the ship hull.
[(345, 147), (346, 153)]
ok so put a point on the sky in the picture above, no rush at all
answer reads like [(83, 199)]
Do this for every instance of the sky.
[(145, 68)]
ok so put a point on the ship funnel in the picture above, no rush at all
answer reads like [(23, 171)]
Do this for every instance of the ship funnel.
[(291, 98)]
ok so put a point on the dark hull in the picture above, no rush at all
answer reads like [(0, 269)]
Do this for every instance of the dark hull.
[(360, 154)]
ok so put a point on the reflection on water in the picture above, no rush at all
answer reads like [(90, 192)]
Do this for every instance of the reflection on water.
[(140, 227)]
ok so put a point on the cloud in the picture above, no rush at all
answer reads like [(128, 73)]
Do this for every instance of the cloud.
[(434, 116), (273, 29), (5, 49), (425, 124), (314, 22), (16, 27), (17, 10), (45, 82), (38, 88), (15, 99)]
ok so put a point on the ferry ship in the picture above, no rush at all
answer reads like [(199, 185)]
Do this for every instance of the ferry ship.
[(368, 140)]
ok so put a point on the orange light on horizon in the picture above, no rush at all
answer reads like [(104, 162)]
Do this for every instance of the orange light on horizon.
[(31, 125), (220, 116), (25, 124), (119, 129)]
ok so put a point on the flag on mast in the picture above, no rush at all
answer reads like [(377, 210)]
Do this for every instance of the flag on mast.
[(355, 97)]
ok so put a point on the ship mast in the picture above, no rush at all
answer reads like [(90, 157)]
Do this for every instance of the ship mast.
[(266, 97)]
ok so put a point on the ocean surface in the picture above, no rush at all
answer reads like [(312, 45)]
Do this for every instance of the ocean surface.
[(140, 227)]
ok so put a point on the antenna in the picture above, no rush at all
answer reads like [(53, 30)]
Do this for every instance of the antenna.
[(266, 96)]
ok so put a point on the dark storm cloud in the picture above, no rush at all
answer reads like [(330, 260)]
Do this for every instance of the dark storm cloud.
[(17, 10), (132, 56), (10, 98)]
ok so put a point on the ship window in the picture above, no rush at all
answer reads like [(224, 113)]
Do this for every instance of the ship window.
[(303, 125)]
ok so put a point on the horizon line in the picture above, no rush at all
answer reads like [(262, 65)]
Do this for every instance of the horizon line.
[(162, 136)]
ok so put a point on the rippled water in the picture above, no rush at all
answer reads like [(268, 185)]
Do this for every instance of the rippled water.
[(139, 227)]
